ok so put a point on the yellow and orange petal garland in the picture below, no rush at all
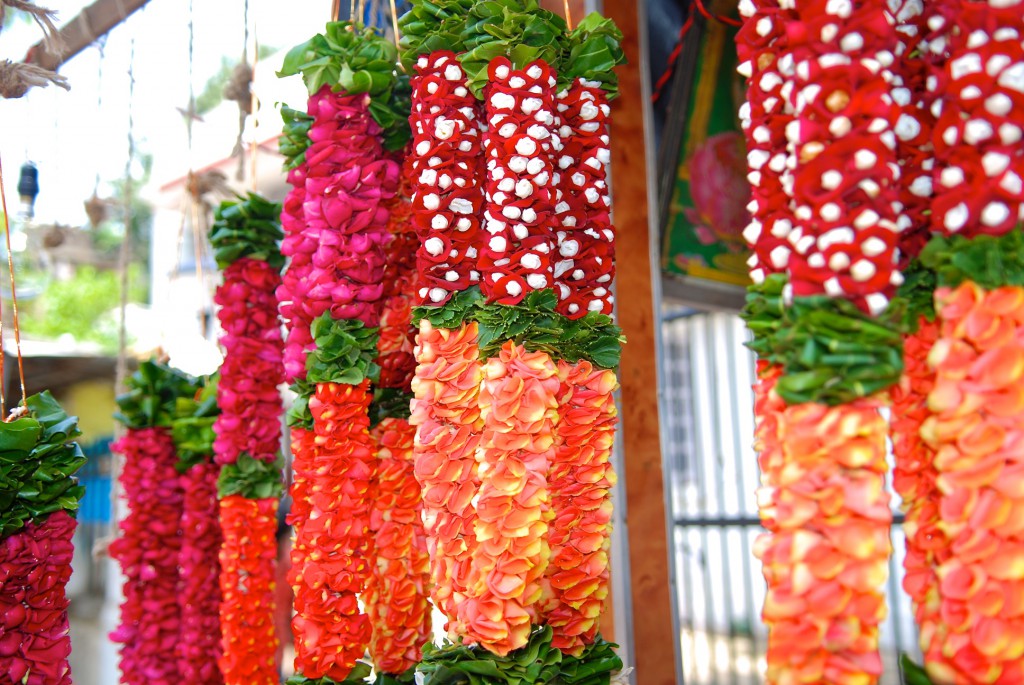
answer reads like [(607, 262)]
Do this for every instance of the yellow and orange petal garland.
[(447, 416), (247, 559), (519, 407), (580, 482), (975, 431), (396, 596)]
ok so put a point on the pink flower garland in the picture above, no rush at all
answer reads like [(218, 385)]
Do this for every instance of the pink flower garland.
[(200, 567), (299, 249), (35, 565), (585, 264), (148, 551)]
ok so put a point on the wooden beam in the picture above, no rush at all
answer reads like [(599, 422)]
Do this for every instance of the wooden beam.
[(92, 23), (654, 640)]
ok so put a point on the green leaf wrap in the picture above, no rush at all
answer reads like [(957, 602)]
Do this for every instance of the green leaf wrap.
[(763, 314), (595, 49), (250, 227), (911, 673), (192, 426), (917, 294), (38, 460), (989, 261), (299, 415), (345, 351), (360, 672), (294, 140), (390, 403), (152, 395), (433, 25), (251, 478)]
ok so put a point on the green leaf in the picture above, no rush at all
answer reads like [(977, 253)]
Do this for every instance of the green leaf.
[(294, 139), (595, 49), (251, 478), (911, 673), (345, 351), (918, 294), (390, 403), (989, 261), (152, 395), (249, 227)]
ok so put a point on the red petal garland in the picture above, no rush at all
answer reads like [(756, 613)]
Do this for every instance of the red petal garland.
[(199, 566), (397, 335), (585, 265), (148, 551), (396, 597), (519, 212), (330, 631), (580, 481), (295, 246), (248, 559), (35, 565), (247, 394), (443, 166), (447, 416)]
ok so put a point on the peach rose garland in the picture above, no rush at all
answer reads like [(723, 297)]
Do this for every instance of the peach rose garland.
[(41, 497), (517, 515), (245, 239)]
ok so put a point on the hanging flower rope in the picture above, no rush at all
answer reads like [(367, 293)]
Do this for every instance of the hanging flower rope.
[(40, 498), (823, 165), (150, 542), (487, 385), (198, 561), (245, 239), (334, 292)]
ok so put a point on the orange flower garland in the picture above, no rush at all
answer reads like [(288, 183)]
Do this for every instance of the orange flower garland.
[(519, 406), (448, 421), (247, 559), (975, 430), (396, 598), (330, 631), (826, 557), (580, 481)]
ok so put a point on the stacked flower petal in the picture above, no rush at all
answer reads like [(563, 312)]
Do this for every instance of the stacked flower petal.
[(518, 215), (330, 631), (247, 560), (580, 482), (147, 551), (41, 496), (447, 416), (978, 102), (845, 188), (36, 563), (298, 248), (585, 264), (975, 431), (519, 407), (826, 558), (762, 48), (396, 598), (444, 164), (397, 341)]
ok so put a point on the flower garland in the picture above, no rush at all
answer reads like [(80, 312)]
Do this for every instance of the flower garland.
[(580, 481), (823, 166), (488, 383), (245, 237), (198, 560), (150, 540), (36, 527), (447, 417), (339, 289), (397, 595)]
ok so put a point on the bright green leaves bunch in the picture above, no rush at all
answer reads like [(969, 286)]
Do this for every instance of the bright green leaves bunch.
[(763, 313), (251, 478), (989, 261), (294, 140), (537, 662), (192, 426), (431, 26), (533, 323), (356, 60), (249, 227), (152, 396), (38, 460)]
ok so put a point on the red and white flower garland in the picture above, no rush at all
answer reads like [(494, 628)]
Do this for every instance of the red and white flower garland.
[(584, 267), (148, 550), (519, 241), (443, 166)]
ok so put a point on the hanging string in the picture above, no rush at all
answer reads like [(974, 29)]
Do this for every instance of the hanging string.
[(254, 101), (101, 45), (568, 14), (124, 256), (14, 293)]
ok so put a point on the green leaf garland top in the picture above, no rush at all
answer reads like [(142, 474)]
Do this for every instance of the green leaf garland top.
[(533, 323), (152, 396), (345, 351), (431, 26), (248, 227), (192, 427), (38, 460), (918, 294), (251, 478), (989, 261), (595, 49), (354, 59), (763, 314), (294, 139)]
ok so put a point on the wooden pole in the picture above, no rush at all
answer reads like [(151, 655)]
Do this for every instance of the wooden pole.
[(78, 33), (654, 639)]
